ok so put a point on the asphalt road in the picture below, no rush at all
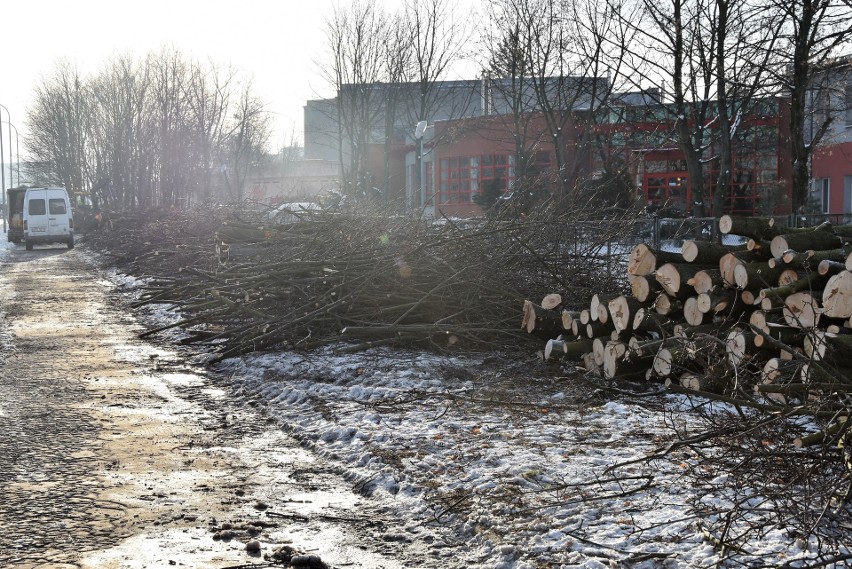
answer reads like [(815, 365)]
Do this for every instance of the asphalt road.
[(119, 453)]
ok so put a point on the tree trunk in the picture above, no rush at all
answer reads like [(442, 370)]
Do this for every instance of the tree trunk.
[(541, 322), (706, 252), (801, 310), (667, 306), (673, 278), (692, 312), (716, 301), (752, 227), (645, 287), (623, 309), (705, 279), (837, 296), (643, 260), (755, 276), (818, 239)]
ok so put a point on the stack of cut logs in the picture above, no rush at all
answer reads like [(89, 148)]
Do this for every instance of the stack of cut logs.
[(772, 315)]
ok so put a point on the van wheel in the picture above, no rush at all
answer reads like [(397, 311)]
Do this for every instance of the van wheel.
[(71, 242), (29, 245)]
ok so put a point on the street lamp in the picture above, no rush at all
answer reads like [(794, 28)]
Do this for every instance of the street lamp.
[(419, 132), (3, 170), (17, 155)]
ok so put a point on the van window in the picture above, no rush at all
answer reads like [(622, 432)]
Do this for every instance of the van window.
[(56, 206), (36, 207)]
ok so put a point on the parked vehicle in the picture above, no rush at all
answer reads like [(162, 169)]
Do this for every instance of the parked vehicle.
[(40, 215)]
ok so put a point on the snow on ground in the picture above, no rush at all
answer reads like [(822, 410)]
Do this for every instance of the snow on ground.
[(516, 467), (508, 468)]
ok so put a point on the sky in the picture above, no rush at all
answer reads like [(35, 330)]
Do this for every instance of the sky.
[(276, 43)]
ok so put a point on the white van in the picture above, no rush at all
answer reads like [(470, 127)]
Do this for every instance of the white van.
[(47, 217)]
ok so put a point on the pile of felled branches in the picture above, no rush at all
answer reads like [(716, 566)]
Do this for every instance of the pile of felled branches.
[(244, 282)]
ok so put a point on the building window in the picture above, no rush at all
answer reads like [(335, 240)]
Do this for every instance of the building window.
[(847, 194), (849, 103), (821, 194), (462, 178)]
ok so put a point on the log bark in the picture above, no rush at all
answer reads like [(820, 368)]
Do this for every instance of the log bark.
[(755, 276), (673, 278), (597, 329), (716, 301), (753, 227), (704, 280), (731, 261), (811, 257), (802, 310), (692, 312), (623, 310), (810, 281), (706, 252), (817, 239), (569, 349), (643, 260), (837, 296), (645, 287), (828, 268), (541, 322), (787, 335), (667, 306), (815, 372), (649, 320), (568, 316), (822, 346)]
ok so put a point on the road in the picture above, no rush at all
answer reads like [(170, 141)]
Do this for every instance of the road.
[(119, 453)]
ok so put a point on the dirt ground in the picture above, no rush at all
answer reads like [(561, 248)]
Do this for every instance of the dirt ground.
[(119, 453)]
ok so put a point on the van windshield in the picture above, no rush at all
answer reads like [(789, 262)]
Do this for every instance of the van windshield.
[(56, 206), (36, 207)]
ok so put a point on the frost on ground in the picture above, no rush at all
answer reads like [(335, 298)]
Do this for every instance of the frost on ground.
[(510, 463), (514, 467)]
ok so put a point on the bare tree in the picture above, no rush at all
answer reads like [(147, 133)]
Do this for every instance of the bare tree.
[(551, 59), (175, 168), (357, 38), (812, 34), (508, 88), (245, 143), (58, 125), (145, 133), (118, 134), (207, 95)]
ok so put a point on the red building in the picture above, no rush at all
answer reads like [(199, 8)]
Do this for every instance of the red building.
[(642, 136), (463, 158), (832, 175)]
